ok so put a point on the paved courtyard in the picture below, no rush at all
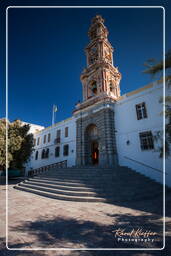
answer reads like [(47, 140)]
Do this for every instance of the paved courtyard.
[(36, 221)]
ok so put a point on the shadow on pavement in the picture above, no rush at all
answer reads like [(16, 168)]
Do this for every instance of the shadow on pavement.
[(71, 233)]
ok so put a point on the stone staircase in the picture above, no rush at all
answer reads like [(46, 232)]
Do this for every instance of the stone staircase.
[(90, 184)]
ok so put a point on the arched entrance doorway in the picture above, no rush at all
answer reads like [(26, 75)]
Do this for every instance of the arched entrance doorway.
[(91, 145)]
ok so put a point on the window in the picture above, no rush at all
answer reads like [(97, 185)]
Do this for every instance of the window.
[(146, 140), (36, 155), (43, 153), (58, 133), (94, 87), (91, 60), (47, 153), (66, 131), (57, 151), (48, 137), (66, 150), (111, 86), (44, 140), (141, 111), (38, 141)]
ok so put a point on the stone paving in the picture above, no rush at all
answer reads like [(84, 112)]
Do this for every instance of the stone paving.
[(36, 221)]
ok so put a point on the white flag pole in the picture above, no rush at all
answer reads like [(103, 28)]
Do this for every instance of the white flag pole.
[(53, 115)]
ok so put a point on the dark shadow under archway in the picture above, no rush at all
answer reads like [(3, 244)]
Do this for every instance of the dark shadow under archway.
[(91, 145), (95, 152)]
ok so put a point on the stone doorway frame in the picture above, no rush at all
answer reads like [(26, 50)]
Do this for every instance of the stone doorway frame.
[(104, 120)]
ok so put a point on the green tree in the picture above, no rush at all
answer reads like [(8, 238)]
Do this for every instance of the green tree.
[(3, 144), (20, 144), (155, 68)]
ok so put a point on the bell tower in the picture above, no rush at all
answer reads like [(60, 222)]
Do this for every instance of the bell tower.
[(95, 115), (100, 78)]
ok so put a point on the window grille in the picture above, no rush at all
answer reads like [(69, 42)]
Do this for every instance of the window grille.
[(146, 140)]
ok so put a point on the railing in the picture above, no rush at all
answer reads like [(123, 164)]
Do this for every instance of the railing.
[(62, 164), (146, 165)]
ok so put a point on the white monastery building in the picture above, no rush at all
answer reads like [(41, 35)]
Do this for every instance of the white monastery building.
[(106, 129)]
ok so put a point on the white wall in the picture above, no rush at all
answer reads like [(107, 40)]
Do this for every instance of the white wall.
[(70, 140), (128, 128), (33, 129)]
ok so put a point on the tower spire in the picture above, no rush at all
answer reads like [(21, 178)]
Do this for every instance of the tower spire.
[(97, 28)]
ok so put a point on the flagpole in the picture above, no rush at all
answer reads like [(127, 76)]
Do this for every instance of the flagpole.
[(53, 115), (54, 110)]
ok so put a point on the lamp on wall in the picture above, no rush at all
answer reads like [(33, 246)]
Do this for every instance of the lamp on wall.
[(128, 142)]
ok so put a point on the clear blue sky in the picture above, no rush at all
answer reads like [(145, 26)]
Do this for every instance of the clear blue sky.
[(46, 54)]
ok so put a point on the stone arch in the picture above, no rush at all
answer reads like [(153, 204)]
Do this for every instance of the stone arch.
[(101, 121), (92, 88), (91, 130)]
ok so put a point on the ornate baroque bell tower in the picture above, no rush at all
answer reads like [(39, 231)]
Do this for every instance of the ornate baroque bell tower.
[(100, 78), (95, 123)]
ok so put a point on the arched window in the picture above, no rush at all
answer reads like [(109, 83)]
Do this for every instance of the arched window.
[(49, 137), (44, 140), (94, 87), (43, 153), (36, 155), (66, 131), (57, 151), (47, 153), (38, 141)]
